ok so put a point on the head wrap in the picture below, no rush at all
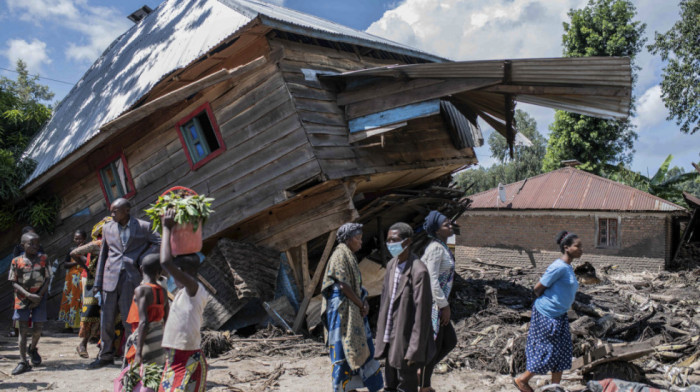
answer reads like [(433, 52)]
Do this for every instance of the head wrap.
[(97, 229), (433, 221), (565, 236), (348, 230)]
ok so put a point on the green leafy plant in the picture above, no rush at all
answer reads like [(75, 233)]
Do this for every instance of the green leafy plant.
[(193, 209), (151, 377)]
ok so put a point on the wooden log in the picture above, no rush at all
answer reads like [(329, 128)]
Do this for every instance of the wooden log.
[(318, 274), (304, 256), (293, 266), (615, 352)]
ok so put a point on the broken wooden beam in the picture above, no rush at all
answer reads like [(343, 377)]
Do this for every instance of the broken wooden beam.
[(310, 288)]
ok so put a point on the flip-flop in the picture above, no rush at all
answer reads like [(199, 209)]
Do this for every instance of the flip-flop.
[(83, 353), (520, 389)]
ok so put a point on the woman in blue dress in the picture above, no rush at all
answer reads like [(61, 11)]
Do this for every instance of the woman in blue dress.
[(549, 347)]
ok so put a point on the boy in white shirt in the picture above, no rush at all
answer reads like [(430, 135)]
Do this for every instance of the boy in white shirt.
[(185, 367)]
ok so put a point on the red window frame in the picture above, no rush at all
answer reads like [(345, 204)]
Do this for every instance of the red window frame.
[(127, 172), (205, 107)]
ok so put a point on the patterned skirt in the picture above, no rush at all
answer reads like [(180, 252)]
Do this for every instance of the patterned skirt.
[(185, 371), (549, 347), (90, 314), (69, 312), (345, 379)]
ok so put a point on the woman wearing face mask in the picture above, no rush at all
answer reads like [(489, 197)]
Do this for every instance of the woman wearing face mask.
[(441, 266), (344, 314)]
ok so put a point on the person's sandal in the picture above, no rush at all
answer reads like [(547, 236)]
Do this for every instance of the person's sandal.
[(82, 352), (515, 382), (21, 368)]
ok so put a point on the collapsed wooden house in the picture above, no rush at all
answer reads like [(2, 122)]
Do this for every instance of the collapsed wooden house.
[(287, 120)]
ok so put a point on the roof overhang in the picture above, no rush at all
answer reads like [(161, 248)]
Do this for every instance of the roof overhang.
[(112, 129), (594, 86)]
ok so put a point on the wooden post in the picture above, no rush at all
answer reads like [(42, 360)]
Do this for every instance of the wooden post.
[(382, 245), (305, 265), (295, 270), (309, 290)]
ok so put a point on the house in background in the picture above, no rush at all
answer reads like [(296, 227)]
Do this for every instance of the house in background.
[(618, 225), (291, 122)]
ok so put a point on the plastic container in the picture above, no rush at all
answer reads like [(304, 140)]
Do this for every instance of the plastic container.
[(184, 239)]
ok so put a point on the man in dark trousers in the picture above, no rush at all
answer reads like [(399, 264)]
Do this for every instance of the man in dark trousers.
[(125, 240), (404, 329)]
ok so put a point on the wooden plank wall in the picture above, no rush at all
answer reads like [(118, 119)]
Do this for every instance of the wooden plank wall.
[(267, 152), (423, 143)]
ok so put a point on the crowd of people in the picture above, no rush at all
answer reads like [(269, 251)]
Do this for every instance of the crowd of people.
[(114, 293), (414, 328)]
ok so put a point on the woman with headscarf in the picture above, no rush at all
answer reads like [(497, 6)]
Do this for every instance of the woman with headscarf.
[(69, 311), (344, 313), (549, 346), (440, 262), (90, 315)]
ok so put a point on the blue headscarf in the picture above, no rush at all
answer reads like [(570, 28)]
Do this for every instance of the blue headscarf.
[(433, 221)]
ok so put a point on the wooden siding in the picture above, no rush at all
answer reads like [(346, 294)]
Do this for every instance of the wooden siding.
[(423, 143), (267, 152)]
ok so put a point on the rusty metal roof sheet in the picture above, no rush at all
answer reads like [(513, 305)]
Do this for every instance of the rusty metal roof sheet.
[(571, 189)]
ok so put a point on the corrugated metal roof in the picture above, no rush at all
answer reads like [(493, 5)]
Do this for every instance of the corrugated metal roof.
[(594, 86), (298, 22), (173, 36), (571, 189), (464, 132)]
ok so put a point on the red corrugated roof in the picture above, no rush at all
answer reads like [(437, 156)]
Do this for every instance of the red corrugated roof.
[(571, 189)]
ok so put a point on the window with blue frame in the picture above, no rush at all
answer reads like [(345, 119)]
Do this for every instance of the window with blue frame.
[(200, 136), (115, 178)]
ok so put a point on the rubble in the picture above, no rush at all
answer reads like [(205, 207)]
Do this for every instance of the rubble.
[(640, 327)]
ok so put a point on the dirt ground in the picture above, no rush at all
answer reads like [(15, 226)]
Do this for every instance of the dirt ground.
[(63, 370)]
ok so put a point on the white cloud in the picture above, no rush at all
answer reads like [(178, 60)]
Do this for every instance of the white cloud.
[(33, 53), (479, 29), (276, 2), (99, 25), (650, 109), (495, 29)]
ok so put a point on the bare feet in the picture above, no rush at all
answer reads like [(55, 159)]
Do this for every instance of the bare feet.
[(522, 386)]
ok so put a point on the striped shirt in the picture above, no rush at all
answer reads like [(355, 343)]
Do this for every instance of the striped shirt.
[(390, 319)]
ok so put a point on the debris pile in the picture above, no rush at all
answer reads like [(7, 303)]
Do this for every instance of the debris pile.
[(641, 327), (268, 342)]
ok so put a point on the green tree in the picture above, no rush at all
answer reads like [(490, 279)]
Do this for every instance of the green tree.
[(23, 111), (667, 183), (527, 161), (602, 28), (680, 48)]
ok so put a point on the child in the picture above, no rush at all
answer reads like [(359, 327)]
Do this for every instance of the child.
[(185, 366), (148, 312), (29, 274), (404, 328)]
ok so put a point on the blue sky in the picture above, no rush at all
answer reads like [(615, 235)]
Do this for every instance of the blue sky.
[(59, 39)]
